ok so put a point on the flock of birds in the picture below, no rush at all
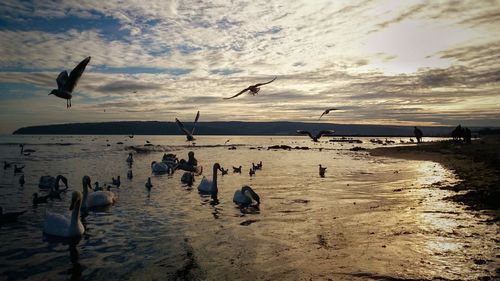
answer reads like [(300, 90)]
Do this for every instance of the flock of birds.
[(67, 83), (70, 226)]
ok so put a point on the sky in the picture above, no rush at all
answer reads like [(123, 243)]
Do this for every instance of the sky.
[(379, 62)]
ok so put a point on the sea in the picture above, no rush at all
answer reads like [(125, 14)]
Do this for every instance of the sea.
[(369, 218)]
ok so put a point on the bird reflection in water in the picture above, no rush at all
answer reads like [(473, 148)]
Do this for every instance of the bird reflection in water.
[(76, 269)]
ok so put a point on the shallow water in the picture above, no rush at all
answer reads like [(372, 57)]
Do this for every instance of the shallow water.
[(368, 219)]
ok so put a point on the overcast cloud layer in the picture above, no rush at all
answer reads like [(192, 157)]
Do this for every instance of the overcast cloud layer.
[(381, 62)]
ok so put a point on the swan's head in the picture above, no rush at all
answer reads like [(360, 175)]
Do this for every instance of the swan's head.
[(76, 198), (86, 182), (64, 180), (217, 167), (152, 163), (249, 192), (53, 92)]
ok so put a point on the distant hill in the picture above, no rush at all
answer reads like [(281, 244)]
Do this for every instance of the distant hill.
[(226, 128)]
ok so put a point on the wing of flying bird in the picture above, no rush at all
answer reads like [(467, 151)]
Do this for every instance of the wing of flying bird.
[(305, 133), (325, 132), (75, 75), (238, 93), (260, 84), (181, 126), (195, 121), (61, 80)]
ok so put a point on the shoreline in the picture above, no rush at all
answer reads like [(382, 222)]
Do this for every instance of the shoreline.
[(476, 165)]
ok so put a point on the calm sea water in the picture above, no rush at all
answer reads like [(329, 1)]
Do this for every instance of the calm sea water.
[(368, 219)]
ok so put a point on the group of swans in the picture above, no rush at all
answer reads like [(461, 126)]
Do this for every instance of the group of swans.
[(70, 226), (246, 196)]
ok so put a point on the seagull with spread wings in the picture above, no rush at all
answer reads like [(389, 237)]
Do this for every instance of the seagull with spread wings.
[(319, 135), (189, 135), (66, 84), (327, 111), (254, 89)]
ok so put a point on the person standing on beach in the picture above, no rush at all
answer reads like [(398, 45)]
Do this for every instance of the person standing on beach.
[(418, 134)]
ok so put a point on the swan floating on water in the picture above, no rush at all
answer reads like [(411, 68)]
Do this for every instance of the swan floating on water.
[(207, 186), (96, 198), (245, 196), (64, 226), (49, 182), (187, 178), (159, 168)]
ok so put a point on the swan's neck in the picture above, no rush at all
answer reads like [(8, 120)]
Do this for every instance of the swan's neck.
[(215, 190), (84, 200), (75, 216)]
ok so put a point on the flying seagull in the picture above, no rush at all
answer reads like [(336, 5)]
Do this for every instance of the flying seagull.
[(327, 111), (319, 135), (189, 135), (66, 84), (254, 89)]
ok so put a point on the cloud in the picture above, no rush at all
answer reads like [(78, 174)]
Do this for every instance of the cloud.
[(380, 61)]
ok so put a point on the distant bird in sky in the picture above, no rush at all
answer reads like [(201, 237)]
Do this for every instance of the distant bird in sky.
[(66, 84), (327, 111), (254, 89), (189, 135), (318, 136)]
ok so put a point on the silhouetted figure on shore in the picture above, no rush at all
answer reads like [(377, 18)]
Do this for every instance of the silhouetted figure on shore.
[(418, 134), (467, 136), (457, 133)]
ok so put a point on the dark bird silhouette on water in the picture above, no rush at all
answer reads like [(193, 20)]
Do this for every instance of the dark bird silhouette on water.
[(326, 112), (254, 89), (322, 171), (237, 169), (189, 134), (9, 217), (21, 180), (66, 84), (317, 136), (18, 169), (39, 199), (6, 165)]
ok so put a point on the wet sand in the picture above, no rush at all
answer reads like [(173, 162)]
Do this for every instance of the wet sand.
[(477, 166)]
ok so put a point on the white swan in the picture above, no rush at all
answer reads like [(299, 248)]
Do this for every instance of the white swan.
[(160, 168), (66, 226), (210, 186), (245, 196), (96, 198)]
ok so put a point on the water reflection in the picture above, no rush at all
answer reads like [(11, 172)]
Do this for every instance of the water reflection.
[(75, 272)]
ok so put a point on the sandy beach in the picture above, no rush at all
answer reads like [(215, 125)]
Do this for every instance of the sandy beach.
[(476, 165)]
